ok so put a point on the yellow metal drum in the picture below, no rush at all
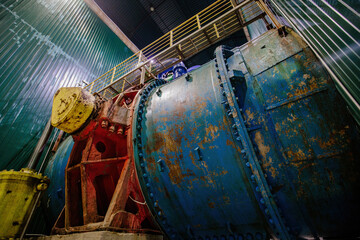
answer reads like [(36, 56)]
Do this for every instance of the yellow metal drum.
[(18, 191)]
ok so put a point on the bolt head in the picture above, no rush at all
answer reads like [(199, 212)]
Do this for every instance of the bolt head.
[(104, 124), (112, 128)]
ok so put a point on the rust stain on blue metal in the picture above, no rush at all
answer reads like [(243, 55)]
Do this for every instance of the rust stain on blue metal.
[(269, 151)]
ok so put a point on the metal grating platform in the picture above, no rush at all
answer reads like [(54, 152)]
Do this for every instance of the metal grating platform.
[(214, 23)]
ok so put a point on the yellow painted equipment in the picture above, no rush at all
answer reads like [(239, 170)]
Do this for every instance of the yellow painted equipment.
[(18, 192), (72, 106)]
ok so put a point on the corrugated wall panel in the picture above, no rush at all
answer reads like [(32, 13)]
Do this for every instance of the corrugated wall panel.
[(44, 45), (332, 29)]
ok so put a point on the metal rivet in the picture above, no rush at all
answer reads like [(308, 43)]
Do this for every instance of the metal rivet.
[(112, 128), (188, 77), (240, 237), (262, 201), (247, 164), (257, 189), (104, 124), (267, 211), (249, 236), (258, 236), (252, 177)]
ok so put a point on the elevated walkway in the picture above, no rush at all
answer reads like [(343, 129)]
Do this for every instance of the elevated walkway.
[(214, 23)]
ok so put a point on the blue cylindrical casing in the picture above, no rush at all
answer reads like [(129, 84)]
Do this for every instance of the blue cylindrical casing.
[(55, 170), (255, 142)]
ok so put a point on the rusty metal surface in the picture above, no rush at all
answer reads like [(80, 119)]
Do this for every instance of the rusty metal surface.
[(193, 165), (307, 143), (332, 29), (101, 188), (304, 143)]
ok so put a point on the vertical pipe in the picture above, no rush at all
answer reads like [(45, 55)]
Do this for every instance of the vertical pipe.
[(34, 159)]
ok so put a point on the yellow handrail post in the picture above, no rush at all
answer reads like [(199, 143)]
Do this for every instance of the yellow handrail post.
[(92, 85), (171, 38), (216, 31), (122, 88), (140, 57), (198, 21), (113, 74)]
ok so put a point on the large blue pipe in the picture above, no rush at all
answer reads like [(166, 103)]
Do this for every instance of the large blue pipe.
[(253, 144)]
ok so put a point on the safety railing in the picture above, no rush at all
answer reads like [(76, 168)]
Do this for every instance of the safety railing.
[(214, 23)]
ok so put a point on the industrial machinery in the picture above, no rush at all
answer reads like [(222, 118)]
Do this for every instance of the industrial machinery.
[(255, 144)]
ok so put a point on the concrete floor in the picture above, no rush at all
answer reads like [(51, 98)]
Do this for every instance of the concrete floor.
[(100, 235)]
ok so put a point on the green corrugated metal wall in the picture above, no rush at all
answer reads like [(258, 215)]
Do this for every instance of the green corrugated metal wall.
[(332, 28), (44, 45)]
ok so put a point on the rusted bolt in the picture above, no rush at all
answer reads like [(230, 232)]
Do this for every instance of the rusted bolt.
[(188, 77), (158, 92), (104, 124), (41, 186), (161, 165), (197, 149), (112, 128)]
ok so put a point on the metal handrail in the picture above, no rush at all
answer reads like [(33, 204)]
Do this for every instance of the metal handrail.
[(212, 24)]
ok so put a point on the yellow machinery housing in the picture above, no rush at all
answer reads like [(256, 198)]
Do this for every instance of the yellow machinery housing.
[(72, 106)]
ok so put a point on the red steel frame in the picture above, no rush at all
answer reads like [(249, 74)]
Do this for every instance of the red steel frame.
[(102, 191)]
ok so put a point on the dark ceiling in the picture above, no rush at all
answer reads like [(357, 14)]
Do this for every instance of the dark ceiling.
[(143, 21)]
